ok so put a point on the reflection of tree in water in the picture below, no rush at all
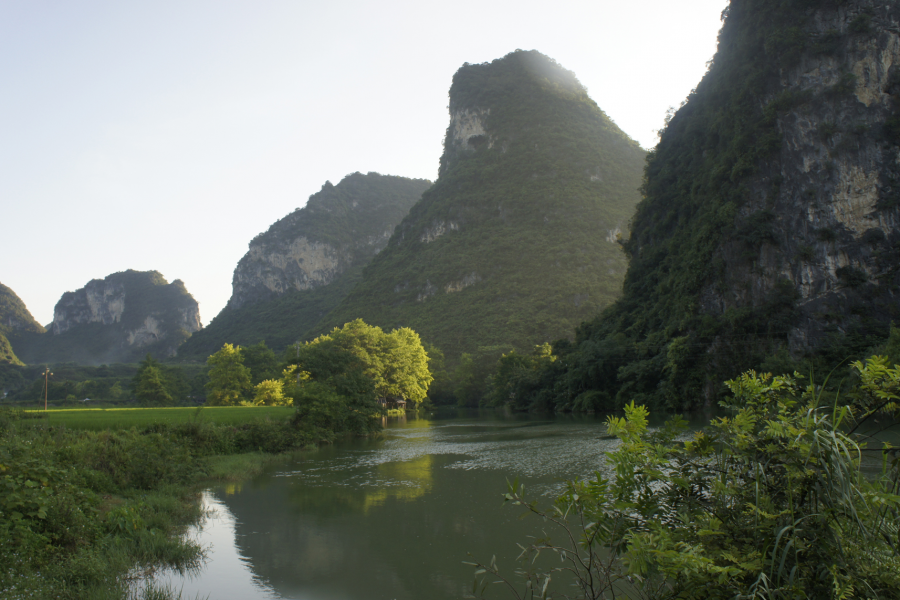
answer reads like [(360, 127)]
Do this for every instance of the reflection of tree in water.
[(414, 479), (396, 517), (373, 537)]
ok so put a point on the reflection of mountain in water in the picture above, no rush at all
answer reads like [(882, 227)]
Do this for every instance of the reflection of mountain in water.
[(360, 542), (395, 518)]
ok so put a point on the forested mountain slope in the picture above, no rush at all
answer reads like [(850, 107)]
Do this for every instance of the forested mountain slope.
[(516, 242), (16, 324), (769, 225), (304, 265)]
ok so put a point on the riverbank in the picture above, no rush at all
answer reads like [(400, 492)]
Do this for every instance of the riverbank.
[(87, 514)]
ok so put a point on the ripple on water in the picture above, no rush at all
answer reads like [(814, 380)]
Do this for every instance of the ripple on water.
[(530, 450)]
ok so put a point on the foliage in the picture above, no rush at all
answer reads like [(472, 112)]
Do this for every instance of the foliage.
[(396, 363), (104, 385), (69, 524), (510, 247), (7, 355), (517, 375), (341, 380), (269, 392), (229, 379), (783, 499), (149, 384), (83, 504), (262, 362)]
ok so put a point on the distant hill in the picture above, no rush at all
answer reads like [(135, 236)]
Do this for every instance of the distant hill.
[(7, 355), (117, 319), (16, 325), (517, 241), (304, 264)]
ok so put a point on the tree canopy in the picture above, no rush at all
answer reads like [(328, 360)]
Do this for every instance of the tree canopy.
[(229, 379), (396, 363)]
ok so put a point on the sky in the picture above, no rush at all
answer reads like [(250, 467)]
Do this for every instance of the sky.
[(164, 135)]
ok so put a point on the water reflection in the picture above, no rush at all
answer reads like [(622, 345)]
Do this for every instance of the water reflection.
[(395, 517)]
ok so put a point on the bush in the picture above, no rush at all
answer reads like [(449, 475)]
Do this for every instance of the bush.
[(771, 502)]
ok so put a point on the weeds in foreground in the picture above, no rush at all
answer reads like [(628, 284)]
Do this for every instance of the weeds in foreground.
[(777, 501)]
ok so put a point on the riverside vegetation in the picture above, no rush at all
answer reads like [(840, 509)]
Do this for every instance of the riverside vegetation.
[(85, 510), (795, 494)]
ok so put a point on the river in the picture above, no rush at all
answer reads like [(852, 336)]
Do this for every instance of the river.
[(391, 518)]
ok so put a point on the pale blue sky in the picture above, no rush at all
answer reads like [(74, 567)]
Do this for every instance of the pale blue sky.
[(165, 135)]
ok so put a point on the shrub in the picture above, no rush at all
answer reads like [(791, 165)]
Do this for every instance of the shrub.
[(771, 502)]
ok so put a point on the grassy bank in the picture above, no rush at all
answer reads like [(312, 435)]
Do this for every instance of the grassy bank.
[(98, 419), (84, 511)]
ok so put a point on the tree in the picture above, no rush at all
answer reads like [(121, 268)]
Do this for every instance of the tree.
[(395, 362), (261, 361), (229, 379), (332, 392), (269, 392), (149, 384)]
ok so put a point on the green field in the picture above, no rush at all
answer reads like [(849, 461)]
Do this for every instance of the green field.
[(126, 418)]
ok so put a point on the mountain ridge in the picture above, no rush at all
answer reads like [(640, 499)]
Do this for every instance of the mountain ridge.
[(500, 251)]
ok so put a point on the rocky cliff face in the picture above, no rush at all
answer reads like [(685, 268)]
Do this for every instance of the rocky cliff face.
[(827, 203), (340, 227), (307, 262), (502, 252), (768, 234), (118, 319), (104, 301)]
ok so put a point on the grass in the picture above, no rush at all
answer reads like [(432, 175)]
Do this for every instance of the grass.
[(97, 419)]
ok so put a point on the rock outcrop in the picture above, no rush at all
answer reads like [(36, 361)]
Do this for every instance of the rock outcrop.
[(306, 263), (341, 226), (502, 251), (826, 205), (768, 234), (119, 319)]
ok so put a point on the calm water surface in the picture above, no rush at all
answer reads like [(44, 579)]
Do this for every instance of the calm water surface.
[(391, 518)]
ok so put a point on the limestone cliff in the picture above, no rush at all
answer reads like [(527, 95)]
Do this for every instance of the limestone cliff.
[(826, 204), (340, 227), (307, 262), (118, 319), (768, 233), (502, 252)]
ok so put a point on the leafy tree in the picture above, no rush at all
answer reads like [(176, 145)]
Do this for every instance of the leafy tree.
[(517, 375), (772, 502), (332, 393), (395, 362), (149, 384), (269, 392), (229, 379), (472, 373), (441, 389), (261, 361)]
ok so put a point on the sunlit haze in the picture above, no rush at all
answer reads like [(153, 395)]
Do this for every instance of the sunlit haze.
[(165, 135)]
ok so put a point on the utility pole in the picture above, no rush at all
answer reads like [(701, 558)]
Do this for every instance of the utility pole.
[(47, 375)]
